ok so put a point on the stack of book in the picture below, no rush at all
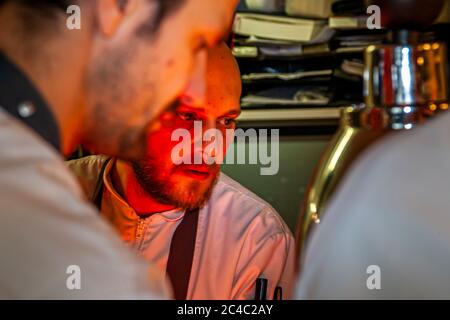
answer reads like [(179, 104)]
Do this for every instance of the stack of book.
[(279, 36), (308, 56)]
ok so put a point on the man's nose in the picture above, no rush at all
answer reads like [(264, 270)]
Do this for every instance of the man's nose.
[(195, 93)]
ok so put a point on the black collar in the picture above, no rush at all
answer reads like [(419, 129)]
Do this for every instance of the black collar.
[(21, 99)]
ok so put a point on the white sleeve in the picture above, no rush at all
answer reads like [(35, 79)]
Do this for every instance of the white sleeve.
[(46, 228), (268, 252), (385, 235)]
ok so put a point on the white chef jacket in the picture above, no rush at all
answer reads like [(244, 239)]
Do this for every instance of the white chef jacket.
[(51, 238), (240, 237), (386, 233)]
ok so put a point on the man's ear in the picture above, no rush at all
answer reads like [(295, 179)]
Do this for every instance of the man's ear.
[(111, 14)]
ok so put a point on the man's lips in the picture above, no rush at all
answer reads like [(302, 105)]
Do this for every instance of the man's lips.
[(200, 172)]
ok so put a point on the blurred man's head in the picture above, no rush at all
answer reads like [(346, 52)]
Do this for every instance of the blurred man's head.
[(189, 185), (129, 61)]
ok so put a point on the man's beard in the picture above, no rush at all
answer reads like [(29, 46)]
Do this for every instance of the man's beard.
[(165, 192)]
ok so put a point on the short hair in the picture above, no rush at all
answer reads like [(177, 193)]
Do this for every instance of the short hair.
[(48, 7), (43, 4)]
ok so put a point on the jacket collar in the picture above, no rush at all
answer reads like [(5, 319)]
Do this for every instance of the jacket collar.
[(20, 98)]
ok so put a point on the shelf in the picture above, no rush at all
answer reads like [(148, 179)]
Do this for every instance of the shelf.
[(285, 114), (308, 121)]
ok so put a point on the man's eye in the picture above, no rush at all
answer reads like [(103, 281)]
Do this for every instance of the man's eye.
[(186, 116), (228, 122)]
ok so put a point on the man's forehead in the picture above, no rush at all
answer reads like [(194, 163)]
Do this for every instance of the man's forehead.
[(213, 107)]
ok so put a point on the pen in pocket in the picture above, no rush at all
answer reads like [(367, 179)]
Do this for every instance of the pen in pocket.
[(261, 289)]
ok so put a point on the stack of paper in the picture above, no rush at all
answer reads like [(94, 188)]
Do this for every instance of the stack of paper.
[(311, 57)]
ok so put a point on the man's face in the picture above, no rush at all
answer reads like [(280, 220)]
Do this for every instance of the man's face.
[(140, 72), (189, 185)]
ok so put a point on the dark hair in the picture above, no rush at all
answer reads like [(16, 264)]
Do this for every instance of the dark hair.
[(46, 7), (35, 10), (42, 4)]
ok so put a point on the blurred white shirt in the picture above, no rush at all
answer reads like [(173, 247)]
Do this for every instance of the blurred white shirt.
[(47, 226), (392, 211)]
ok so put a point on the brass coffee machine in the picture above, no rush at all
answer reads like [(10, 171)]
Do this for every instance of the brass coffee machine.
[(405, 82)]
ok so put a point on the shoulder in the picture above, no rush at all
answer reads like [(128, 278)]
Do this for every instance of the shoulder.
[(246, 209), (395, 170), (29, 160), (47, 226), (391, 180), (87, 165), (389, 199), (404, 153), (87, 171)]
